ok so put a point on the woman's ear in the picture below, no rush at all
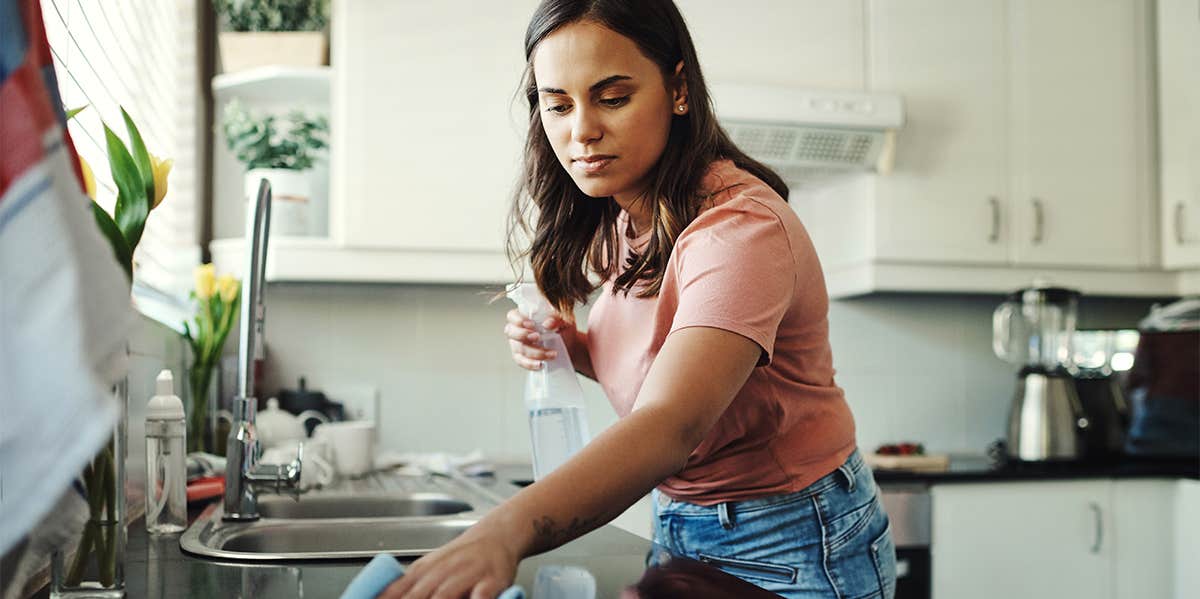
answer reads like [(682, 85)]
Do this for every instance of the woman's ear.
[(681, 95)]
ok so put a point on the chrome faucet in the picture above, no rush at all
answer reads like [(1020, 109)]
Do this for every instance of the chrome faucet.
[(244, 476)]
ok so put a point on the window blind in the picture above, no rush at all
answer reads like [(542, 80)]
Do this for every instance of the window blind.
[(142, 55)]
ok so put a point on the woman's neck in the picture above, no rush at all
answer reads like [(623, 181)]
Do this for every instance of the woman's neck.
[(638, 211)]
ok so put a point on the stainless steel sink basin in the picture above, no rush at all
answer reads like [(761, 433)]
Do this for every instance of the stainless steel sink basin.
[(361, 506), (270, 540), (401, 515)]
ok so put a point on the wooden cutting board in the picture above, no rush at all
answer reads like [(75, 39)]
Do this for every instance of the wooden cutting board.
[(912, 463)]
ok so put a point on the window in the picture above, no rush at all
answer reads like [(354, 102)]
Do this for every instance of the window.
[(140, 54)]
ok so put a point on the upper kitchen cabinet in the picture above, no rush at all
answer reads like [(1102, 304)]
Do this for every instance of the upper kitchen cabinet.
[(803, 43), (428, 125), (428, 132), (1081, 96), (946, 198), (1026, 152), (1179, 136)]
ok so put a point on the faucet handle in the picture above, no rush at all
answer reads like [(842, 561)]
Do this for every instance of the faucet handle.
[(291, 472)]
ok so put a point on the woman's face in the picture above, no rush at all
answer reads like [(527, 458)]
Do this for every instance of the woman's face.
[(605, 108)]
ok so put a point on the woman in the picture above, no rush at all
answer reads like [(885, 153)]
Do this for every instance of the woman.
[(710, 337)]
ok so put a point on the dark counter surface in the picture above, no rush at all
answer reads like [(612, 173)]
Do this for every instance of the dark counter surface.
[(966, 469), (156, 567)]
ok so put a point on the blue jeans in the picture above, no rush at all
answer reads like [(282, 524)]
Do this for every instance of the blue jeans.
[(831, 539)]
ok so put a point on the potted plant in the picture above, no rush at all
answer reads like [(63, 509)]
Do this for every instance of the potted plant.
[(283, 151), (272, 32)]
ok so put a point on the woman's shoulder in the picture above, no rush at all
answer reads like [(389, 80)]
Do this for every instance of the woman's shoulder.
[(730, 195)]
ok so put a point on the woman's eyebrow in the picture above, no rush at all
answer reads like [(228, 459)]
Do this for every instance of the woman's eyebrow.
[(601, 84)]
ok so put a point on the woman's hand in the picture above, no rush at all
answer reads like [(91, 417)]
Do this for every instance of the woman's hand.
[(527, 349), (475, 566)]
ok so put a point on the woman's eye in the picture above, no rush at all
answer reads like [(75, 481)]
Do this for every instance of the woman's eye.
[(557, 108), (615, 101)]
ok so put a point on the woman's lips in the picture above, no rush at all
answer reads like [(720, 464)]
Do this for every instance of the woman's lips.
[(592, 166)]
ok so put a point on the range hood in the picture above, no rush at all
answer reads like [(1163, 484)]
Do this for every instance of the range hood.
[(798, 131)]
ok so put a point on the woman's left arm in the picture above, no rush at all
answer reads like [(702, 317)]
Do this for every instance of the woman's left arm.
[(695, 376)]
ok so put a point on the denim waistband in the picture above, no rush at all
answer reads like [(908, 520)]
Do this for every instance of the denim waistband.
[(844, 475)]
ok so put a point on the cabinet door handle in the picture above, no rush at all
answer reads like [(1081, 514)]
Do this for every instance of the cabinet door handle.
[(995, 235), (1179, 223), (1098, 515), (1039, 222)]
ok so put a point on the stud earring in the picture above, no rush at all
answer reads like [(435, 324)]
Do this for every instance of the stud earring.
[(682, 107)]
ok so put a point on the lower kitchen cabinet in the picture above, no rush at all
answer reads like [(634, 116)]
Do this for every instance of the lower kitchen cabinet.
[(1030, 540), (1098, 538)]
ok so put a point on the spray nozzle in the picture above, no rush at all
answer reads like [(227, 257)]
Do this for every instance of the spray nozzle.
[(530, 302)]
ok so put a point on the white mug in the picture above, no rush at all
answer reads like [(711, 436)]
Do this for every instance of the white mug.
[(351, 445)]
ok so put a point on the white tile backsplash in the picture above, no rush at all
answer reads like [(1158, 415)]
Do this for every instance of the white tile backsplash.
[(914, 367)]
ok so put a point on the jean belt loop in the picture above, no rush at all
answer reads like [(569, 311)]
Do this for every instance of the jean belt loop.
[(725, 516), (849, 474)]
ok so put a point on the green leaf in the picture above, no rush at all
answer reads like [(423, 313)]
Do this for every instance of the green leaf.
[(74, 111), (111, 232), (132, 204), (140, 156)]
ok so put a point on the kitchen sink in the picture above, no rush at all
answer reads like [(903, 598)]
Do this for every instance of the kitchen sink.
[(274, 539), (360, 506), (385, 513)]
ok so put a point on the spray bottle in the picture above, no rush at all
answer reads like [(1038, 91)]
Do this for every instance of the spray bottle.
[(557, 419)]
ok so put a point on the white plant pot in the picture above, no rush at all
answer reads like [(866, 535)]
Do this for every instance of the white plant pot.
[(246, 50), (294, 209)]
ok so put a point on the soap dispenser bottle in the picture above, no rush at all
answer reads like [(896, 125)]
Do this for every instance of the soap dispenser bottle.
[(166, 470)]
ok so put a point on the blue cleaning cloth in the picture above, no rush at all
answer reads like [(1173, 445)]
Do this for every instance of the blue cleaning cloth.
[(384, 570)]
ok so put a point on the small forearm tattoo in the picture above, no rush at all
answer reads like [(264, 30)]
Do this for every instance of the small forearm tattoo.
[(550, 534)]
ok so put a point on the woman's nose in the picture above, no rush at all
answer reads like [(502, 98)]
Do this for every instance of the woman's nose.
[(586, 127)]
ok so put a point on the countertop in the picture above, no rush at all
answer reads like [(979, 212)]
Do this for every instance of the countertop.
[(975, 469), (156, 567)]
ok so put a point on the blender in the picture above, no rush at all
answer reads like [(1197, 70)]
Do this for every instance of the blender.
[(1033, 330)]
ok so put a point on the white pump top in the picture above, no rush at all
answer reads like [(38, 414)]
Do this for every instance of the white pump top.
[(165, 405)]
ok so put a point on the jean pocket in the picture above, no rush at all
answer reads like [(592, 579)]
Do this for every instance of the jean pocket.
[(846, 526), (883, 552), (750, 569)]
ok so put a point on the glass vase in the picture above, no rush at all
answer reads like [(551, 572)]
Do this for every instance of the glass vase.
[(92, 563), (200, 391)]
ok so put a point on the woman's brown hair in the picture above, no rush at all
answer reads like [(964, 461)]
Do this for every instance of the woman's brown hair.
[(575, 235)]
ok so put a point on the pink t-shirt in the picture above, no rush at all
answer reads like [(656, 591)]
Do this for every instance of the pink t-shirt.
[(745, 265)]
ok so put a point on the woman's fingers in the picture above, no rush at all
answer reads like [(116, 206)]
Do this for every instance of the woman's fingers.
[(486, 589), (515, 317), (533, 352), (517, 333)]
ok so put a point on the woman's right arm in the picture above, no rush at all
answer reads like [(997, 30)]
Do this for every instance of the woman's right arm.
[(528, 352)]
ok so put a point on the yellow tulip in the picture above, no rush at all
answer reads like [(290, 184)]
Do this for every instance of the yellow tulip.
[(89, 178), (228, 288), (205, 281), (160, 168)]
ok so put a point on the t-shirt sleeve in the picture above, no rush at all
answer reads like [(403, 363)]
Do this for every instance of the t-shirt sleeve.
[(737, 272)]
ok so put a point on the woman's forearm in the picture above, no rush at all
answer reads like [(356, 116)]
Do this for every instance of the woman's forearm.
[(610, 474)]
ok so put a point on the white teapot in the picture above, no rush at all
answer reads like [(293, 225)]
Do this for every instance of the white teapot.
[(277, 427)]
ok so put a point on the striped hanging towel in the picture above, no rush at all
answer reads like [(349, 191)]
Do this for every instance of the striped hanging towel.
[(65, 310)]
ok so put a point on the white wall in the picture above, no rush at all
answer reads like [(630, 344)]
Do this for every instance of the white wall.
[(914, 367)]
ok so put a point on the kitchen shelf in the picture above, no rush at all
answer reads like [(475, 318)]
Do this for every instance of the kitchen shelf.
[(323, 260), (275, 84)]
